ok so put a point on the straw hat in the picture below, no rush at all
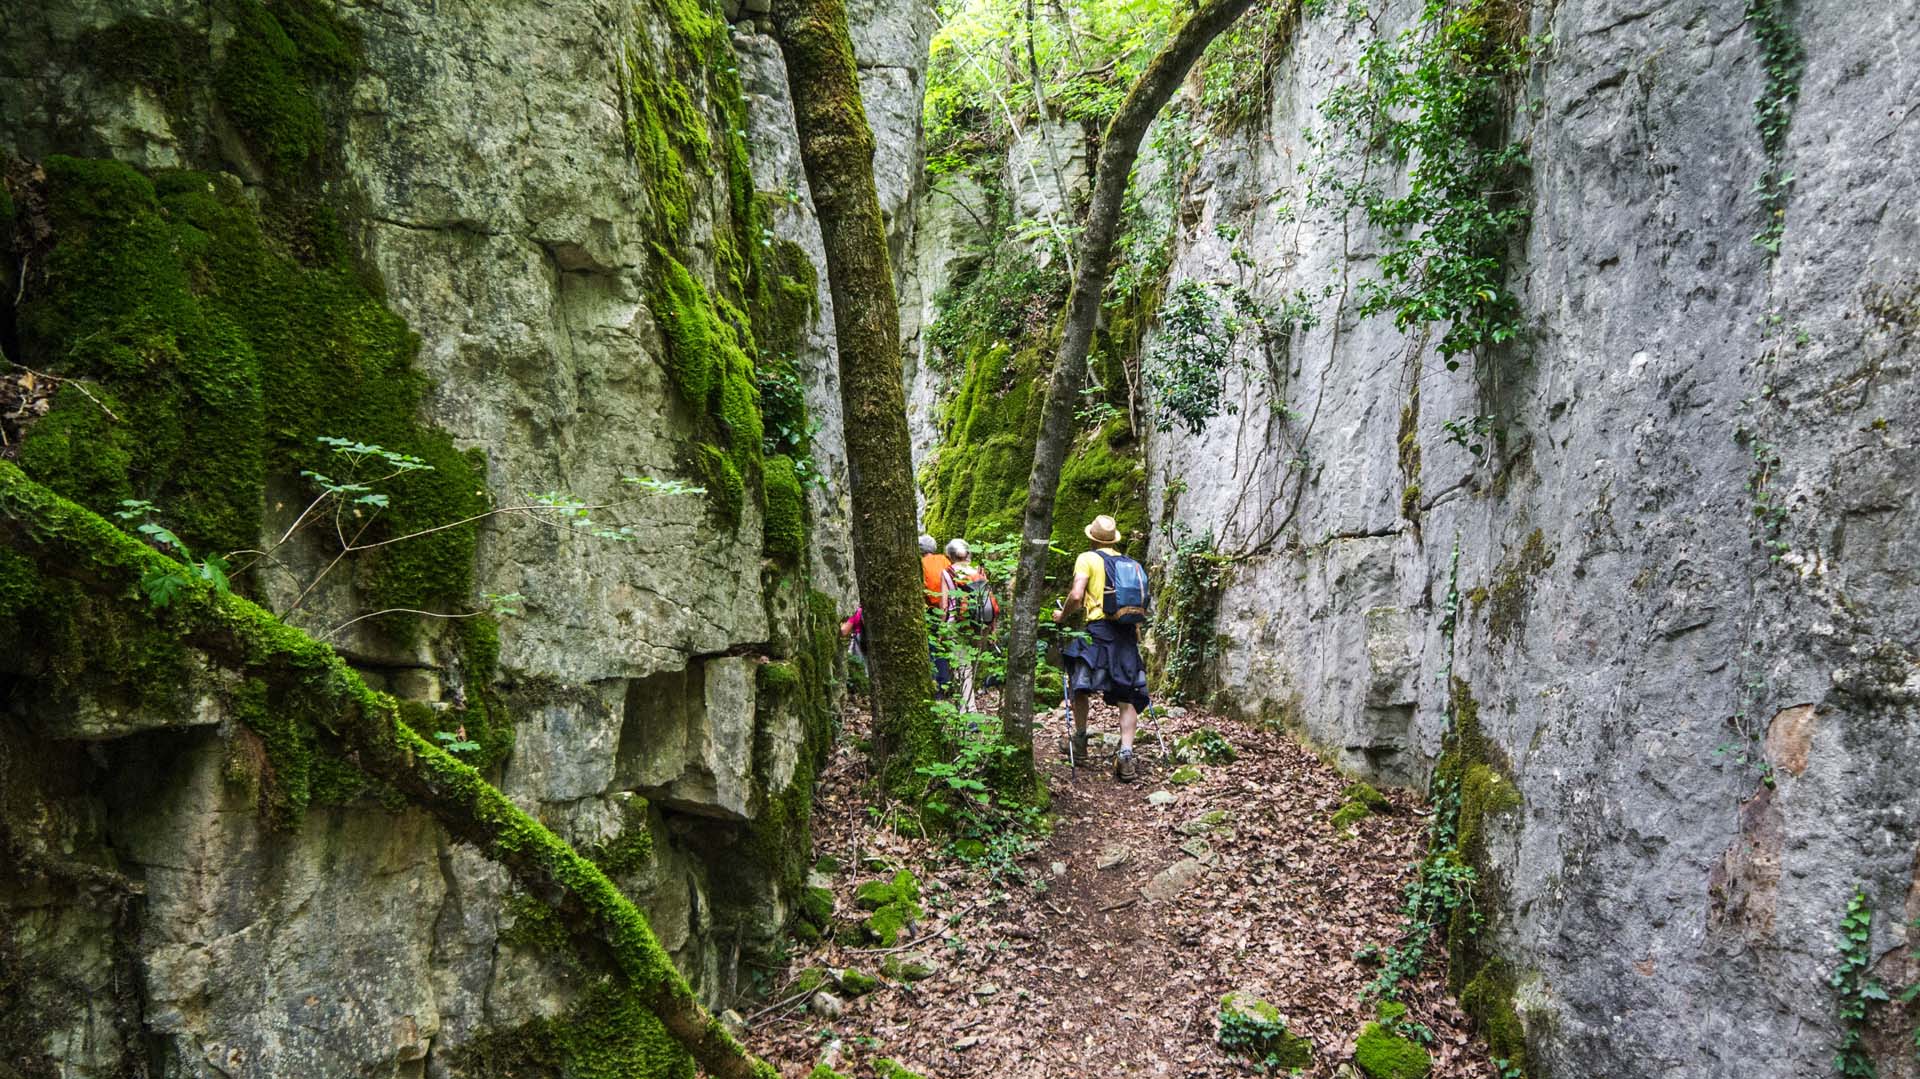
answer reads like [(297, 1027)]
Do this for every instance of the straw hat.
[(1104, 529)]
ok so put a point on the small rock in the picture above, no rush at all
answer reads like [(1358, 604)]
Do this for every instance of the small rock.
[(908, 967), (827, 1005), (1111, 857), (985, 989), (830, 1056), (1198, 848), (1184, 775), (1173, 880), (1176, 712), (1203, 823), (735, 1023), (1160, 798), (1058, 869), (967, 1042)]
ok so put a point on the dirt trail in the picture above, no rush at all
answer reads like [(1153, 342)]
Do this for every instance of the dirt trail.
[(1090, 977)]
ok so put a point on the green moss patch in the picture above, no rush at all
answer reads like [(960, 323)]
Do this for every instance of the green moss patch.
[(1383, 1055), (269, 83), (225, 361), (786, 525), (894, 905)]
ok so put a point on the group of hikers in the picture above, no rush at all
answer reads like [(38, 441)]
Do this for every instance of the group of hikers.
[(1107, 602)]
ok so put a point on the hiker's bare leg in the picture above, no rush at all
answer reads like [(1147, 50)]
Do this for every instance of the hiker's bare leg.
[(1128, 719), (1081, 702)]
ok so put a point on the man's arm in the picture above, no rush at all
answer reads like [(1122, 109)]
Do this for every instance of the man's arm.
[(1075, 597)]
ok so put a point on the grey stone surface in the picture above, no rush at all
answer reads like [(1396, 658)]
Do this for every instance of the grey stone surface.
[(486, 156), (1649, 645), (1171, 882)]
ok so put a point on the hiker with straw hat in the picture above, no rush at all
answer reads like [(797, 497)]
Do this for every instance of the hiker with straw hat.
[(1109, 592)]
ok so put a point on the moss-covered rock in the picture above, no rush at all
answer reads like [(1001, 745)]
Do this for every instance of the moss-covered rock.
[(856, 983), (1384, 1055), (1253, 1029), (225, 361), (894, 904), (786, 526)]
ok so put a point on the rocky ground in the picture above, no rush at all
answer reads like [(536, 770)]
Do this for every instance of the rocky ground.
[(1145, 905)]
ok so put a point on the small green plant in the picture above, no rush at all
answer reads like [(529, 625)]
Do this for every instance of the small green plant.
[(163, 585), (1205, 745), (455, 741), (1255, 1031), (991, 829), (348, 500), (1469, 433)]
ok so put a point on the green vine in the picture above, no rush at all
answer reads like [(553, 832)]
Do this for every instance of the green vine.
[(1785, 59), (1858, 992), (1435, 98), (1189, 605)]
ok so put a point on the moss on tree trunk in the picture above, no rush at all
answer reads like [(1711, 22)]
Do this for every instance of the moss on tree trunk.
[(836, 146)]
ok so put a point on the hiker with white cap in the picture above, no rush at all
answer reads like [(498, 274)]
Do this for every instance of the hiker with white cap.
[(1110, 592), (972, 615)]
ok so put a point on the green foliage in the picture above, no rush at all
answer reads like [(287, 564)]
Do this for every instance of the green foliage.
[(1785, 60), (1207, 745), (1255, 1031), (1188, 608), (1856, 991), (1187, 374), (993, 822), (1434, 99), (1009, 298), (1200, 343), (1236, 71), (977, 84)]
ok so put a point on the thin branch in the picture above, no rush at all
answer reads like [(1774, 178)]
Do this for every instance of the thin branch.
[(74, 382), (328, 635)]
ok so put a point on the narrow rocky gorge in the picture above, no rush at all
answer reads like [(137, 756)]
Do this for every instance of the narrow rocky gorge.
[(1622, 581)]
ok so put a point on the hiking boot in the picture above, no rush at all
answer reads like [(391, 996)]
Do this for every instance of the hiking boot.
[(1125, 768), (1074, 747)]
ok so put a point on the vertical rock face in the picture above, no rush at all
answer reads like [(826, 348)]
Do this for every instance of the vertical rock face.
[(490, 169), (1685, 553)]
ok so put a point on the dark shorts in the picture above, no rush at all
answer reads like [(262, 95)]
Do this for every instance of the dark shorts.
[(1108, 664)]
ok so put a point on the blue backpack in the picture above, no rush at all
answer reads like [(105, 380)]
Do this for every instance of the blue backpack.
[(1125, 599)]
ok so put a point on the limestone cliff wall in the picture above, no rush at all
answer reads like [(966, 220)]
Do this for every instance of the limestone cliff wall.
[(1684, 556), (489, 167)]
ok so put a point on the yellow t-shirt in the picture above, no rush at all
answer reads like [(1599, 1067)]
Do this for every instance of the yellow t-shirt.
[(1091, 566)]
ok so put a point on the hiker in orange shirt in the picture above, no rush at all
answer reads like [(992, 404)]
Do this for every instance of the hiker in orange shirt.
[(933, 572)]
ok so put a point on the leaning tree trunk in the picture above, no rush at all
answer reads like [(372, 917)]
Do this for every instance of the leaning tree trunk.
[(1118, 148), (836, 146), (65, 541)]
